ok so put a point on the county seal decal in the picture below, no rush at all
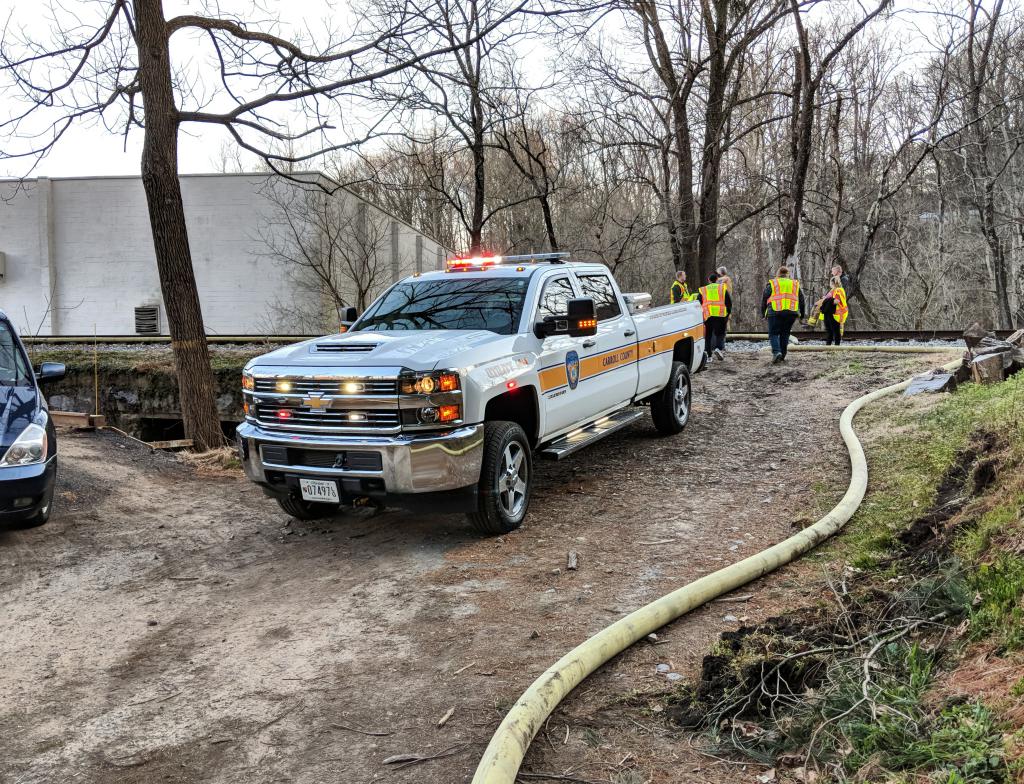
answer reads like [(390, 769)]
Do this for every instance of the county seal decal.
[(572, 369)]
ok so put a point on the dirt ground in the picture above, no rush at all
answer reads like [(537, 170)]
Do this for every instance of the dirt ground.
[(173, 626)]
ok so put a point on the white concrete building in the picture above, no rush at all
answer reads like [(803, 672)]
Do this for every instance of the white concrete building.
[(76, 254)]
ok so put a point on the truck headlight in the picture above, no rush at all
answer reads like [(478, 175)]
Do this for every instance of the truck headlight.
[(28, 448), (428, 383), (248, 383)]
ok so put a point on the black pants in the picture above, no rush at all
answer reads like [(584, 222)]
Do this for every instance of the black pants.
[(714, 333), (779, 326), (833, 330)]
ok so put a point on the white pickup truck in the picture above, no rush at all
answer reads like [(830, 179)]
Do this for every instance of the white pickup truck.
[(441, 393)]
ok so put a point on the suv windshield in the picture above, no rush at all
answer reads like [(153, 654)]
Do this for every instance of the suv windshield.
[(494, 304), (13, 368)]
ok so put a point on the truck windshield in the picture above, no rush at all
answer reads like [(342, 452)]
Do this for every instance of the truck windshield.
[(494, 304), (13, 367)]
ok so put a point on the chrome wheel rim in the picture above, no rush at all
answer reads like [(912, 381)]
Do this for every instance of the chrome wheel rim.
[(512, 480), (681, 399)]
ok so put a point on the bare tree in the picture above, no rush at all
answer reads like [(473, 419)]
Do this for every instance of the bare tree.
[(334, 245), (117, 69)]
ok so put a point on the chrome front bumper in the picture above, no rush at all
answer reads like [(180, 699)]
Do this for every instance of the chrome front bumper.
[(409, 463)]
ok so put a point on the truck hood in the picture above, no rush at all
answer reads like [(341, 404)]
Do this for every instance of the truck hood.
[(413, 349), (18, 406)]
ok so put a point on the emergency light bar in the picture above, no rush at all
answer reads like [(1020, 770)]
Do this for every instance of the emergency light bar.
[(463, 264)]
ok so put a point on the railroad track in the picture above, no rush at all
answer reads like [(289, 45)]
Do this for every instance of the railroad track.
[(866, 336)]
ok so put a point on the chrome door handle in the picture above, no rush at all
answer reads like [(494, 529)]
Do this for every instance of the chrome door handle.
[(589, 343), (629, 333)]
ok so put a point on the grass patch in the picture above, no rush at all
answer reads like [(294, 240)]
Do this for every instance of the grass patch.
[(906, 469), (998, 614)]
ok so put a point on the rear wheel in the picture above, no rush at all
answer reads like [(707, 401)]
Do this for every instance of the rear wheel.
[(670, 408), (307, 510), (506, 478)]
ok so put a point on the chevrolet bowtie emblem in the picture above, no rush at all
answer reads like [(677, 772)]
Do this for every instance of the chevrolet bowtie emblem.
[(316, 401)]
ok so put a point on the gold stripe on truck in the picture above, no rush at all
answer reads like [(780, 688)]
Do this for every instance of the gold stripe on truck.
[(555, 377)]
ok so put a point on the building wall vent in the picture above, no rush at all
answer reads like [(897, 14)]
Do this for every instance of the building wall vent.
[(147, 320)]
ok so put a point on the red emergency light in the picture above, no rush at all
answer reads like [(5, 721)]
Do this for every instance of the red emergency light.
[(472, 263)]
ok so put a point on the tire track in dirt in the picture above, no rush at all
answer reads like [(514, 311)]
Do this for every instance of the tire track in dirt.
[(167, 626)]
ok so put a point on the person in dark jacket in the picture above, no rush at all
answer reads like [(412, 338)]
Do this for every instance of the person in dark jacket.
[(782, 303), (717, 303)]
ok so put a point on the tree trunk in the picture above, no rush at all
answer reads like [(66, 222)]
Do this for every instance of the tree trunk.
[(196, 388), (479, 174), (549, 223)]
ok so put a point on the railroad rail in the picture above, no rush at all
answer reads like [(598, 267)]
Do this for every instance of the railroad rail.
[(867, 336)]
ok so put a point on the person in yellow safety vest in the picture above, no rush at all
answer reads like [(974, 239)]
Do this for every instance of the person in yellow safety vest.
[(782, 303), (679, 291), (834, 312), (717, 302)]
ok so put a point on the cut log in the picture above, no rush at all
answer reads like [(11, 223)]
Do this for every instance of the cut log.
[(988, 369), (70, 419), (180, 443), (1017, 338)]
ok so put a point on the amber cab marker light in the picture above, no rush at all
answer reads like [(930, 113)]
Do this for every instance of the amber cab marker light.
[(448, 413)]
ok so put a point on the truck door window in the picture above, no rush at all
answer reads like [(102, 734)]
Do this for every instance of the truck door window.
[(599, 288), (555, 299)]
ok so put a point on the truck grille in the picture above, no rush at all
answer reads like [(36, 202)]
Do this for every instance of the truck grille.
[(331, 386), (346, 460), (303, 417)]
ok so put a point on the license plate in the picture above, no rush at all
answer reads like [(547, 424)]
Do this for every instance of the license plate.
[(321, 490)]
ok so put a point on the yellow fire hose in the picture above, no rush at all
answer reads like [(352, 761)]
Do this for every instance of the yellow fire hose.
[(503, 756)]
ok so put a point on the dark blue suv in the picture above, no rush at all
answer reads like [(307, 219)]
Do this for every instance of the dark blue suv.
[(28, 442)]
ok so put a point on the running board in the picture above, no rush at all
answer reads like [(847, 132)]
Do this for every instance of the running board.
[(595, 431)]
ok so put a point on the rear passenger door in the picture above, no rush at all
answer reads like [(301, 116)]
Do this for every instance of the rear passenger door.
[(559, 358), (608, 361)]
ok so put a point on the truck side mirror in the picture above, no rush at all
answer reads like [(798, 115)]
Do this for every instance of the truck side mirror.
[(579, 322), (348, 318), (50, 371)]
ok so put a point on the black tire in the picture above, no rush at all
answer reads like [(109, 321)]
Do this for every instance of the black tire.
[(503, 494), (669, 411), (307, 510)]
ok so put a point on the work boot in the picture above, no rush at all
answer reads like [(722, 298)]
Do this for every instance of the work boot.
[(719, 355), (778, 359)]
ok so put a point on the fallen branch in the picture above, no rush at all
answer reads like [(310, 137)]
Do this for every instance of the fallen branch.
[(400, 761)]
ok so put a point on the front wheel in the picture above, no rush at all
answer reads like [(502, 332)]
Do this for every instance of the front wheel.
[(670, 408), (506, 478), (307, 510)]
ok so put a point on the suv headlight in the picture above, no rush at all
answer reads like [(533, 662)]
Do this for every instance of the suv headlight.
[(29, 447)]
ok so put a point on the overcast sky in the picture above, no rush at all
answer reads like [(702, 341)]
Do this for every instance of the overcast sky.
[(86, 150)]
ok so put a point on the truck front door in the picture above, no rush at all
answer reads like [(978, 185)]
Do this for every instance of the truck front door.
[(559, 359), (608, 362)]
